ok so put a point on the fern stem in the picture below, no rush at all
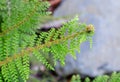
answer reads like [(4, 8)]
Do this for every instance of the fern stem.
[(29, 50)]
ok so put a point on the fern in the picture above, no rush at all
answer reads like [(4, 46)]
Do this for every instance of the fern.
[(18, 24), (76, 78), (115, 77)]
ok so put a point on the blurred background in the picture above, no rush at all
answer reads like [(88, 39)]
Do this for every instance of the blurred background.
[(103, 58)]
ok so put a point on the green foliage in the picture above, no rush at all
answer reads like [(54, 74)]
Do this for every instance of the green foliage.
[(115, 77), (87, 79), (76, 78), (18, 23)]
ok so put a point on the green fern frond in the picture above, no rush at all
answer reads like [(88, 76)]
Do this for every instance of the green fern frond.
[(54, 42), (115, 77), (48, 44), (17, 38), (19, 18)]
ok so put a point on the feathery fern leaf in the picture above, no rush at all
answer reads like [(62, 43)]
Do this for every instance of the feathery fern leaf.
[(115, 77), (18, 20), (17, 38)]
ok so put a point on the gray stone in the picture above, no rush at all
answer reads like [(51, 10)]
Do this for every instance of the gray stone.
[(104, 57)]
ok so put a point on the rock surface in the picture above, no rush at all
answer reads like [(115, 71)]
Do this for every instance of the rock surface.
[(104, 57)]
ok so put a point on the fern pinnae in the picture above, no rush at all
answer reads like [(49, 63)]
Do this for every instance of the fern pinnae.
[(61, 54), (6, 47), (5, 72), (50, 35), (72, 47), (55, 57), (26, 65), (56, 35), (20, 68), (1, 49), (44, 35), (54, 50), (39, 40), (15, 43), (13, 71), (76, 41), (42, 59)]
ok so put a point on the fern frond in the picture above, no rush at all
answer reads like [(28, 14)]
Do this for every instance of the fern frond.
[(48, 44), (18, 22), (115, 77), (19, 19)]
